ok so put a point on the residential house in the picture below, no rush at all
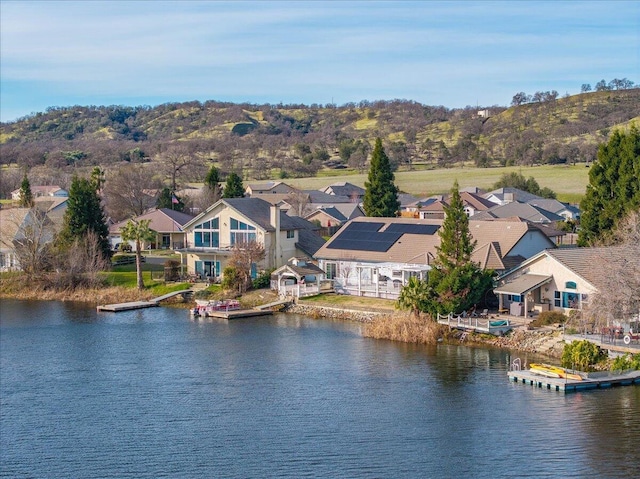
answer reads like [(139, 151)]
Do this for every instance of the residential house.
[(377, 256), (474, 203), (502, 196), (37, 191), (22, 230), (331, 218), (212, 235), (560, 279), (566, 210), (344, 188), (269, 188), (168, 225), (525, 211)]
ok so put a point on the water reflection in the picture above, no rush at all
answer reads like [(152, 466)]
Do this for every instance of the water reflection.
[(153, 393)]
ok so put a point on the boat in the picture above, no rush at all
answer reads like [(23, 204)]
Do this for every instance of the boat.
[(205, 307), (553, 371)]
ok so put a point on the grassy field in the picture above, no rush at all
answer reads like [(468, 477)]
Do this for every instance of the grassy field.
[(569, 182)]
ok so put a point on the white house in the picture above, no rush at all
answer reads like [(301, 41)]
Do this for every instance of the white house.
[(553, 280), (377, 256), (212, 235)]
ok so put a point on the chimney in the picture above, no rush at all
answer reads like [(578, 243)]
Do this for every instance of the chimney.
[(275, 222)]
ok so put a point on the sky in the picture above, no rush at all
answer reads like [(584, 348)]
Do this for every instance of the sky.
[(449, 53)]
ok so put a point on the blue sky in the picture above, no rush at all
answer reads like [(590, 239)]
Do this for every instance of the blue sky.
[(452, 53)]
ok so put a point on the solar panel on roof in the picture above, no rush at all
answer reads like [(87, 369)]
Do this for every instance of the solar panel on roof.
[(412, 228), (364, 226), (365, 239)]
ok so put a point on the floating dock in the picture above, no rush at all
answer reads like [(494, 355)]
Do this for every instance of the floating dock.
[(237, 313), (593, 381)]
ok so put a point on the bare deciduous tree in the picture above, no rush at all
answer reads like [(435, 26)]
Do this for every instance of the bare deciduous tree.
[(618, 296), (130, 191), (32, 239), (243, 256), (80, 264), (299, 202)]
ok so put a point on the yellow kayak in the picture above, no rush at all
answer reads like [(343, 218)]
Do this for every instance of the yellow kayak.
[(553, 371)]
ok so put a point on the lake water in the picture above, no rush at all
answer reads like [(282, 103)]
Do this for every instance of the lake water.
[(152, 394)]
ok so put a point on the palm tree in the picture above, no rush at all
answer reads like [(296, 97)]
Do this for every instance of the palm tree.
[(414, 295), (139, 232)]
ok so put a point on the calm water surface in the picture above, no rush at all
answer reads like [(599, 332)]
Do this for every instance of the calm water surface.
[(152, 393)]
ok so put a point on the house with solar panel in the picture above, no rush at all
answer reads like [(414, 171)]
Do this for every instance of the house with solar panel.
[(212, 235), (377, 256)]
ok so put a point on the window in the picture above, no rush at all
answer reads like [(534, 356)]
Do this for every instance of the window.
[(241, 232), (514, 298), (208, 269), (291, 234), (331, 269), (208, 234), (566, 299)]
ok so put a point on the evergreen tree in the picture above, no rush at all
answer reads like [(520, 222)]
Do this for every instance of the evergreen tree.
[(167, 199), (456, 281), (456, 243), (381, 195), (233, 187), (212, 183), (84, 214), (26, 196), (614, 187)]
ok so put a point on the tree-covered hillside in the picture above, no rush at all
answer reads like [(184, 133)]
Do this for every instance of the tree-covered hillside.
[(181, 141)]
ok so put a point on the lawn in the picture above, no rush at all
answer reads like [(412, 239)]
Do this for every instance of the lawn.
[(350, 302), (569, 182)]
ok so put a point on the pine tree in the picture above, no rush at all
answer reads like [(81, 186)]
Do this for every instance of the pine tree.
[(456, 243), (614, 187), (233, 187), (84, 213), (381, 195), (212, 185), (26, 196), (457, 282)]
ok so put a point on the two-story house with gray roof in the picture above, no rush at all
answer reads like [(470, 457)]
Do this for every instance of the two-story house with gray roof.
[(212, 235)]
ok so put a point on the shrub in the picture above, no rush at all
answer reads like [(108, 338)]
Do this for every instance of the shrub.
[(582, 355), (549, 317), (626, 361), (230, 278), (263, 280)]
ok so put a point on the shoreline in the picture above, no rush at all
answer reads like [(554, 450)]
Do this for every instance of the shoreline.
[(545, 342)]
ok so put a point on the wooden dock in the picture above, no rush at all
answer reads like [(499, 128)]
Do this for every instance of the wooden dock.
[(592, 381), (118, 307), (481, 325), (238, 313)]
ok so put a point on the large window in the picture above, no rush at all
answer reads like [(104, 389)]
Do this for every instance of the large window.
[(208, 269), (241, 232), (207, 234)]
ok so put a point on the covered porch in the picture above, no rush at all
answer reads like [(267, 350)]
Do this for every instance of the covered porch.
[(379, 280), (523, 295)]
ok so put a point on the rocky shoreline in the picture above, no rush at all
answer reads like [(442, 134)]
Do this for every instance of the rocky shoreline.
[(546, 341)]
